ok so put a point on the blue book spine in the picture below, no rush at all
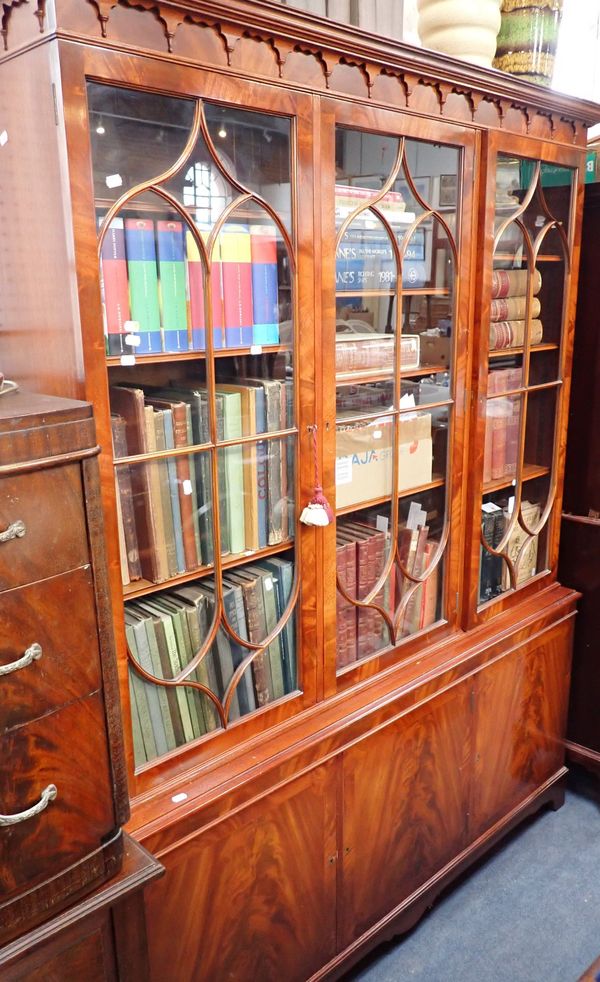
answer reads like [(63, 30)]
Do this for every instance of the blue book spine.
[(172, 472), (265, 285)]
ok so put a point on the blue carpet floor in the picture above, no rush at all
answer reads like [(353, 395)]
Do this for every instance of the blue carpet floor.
[(530, 912)]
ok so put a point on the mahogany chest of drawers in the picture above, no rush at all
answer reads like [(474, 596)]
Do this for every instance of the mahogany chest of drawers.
[(63, 794)]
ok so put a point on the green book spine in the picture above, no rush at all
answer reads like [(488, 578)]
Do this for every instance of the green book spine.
[(165, 494), (150, 715), (162, 692), (176, 667), (234, 470), (139, 750), (143, 283), (186, 654), (196, 504), (274, 649)]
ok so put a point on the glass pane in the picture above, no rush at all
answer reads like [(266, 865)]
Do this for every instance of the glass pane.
[(135, 136), (166, 630), (363, 163), (164, 512), (254, 148), (152, 280)]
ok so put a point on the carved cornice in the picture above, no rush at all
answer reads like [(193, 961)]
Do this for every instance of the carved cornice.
[(275, 23), (7, 9)]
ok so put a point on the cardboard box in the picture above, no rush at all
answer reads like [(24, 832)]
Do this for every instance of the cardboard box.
[(363, 466), (435, 350)]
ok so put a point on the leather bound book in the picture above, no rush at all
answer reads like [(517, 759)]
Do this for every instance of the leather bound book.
[(412, 613), (155, 499), (343, 607), (499, 425), (513, 308), (512, 437), (129, 403), (125, 491), (165, 494), (513, 283)]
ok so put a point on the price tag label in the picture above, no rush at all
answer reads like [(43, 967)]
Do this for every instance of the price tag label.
[(128, 359), (343, 470), (187, 486), (256, 349)]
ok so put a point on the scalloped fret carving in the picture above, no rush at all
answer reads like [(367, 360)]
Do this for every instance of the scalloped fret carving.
[(7, 9)]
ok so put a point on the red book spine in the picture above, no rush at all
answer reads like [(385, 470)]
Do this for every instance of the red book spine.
[(115, 287), (512, 439), (498, 446)]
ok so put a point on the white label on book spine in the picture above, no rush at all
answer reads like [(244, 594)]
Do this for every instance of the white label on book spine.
[(268, 583), (133, 339), (3, 138), (414, 513), (131, 327), (382, 523), (128, 359), (187, 486), (343, 470), (256, 349), (114, 181)]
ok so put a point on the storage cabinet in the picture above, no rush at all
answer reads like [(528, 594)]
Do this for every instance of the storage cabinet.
[(308, 261), (61, 820)]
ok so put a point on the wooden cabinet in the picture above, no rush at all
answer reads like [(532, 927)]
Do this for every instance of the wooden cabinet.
[(293, 262), (61, 818)]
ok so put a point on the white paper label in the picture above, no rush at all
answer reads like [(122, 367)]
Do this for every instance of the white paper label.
[(268, 583), (414, 513), (133, 339), (256, 349), (177, 798), (377, 434), (490, 507), (114, 180), (128, 359), (382, 523), (187, 486), (131, 327), (343, 470), (511, 504), (3, 138)]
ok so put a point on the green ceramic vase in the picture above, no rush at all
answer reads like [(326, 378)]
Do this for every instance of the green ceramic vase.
[(527, 40)]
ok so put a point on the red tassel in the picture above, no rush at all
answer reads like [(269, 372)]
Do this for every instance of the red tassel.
[(318, 511), (319, 498)]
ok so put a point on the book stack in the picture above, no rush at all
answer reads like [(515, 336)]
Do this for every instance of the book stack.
[(165, 631), (153, 285), (361, 550), (490, 567), (502, 426), (509, 306), (520, 543), (164, 506), (374, 352)]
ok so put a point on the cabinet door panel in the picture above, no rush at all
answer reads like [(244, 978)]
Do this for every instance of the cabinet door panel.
[(521, 703), (253, 896), (405, 795)]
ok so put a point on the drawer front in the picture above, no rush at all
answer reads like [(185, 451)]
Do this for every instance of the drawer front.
[(59, 616), (67, 749), (50, 505)]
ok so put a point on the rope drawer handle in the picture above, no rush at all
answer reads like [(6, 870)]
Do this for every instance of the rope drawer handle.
[(15, 531), (48, 795), (32, 653)]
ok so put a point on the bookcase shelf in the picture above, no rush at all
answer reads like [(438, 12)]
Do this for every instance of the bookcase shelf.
[(405, 291), (141, 588), (530, 473), (358, 377), (171, 358), (507, 352), (437, 482), (509, 257)]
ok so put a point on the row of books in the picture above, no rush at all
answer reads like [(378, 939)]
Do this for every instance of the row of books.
[(165, 631), (154, 291), (502, 426), (365, 260), (361, 551), (494, 576), (164, 506)]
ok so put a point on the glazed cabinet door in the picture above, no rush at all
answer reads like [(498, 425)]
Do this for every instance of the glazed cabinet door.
[(521, 712), (397, 221), (406, 792), (252, 896), (525, 344), (198, 231)]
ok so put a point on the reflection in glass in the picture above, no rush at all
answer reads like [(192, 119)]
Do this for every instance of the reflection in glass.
[(135, 136), (255, 149)]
